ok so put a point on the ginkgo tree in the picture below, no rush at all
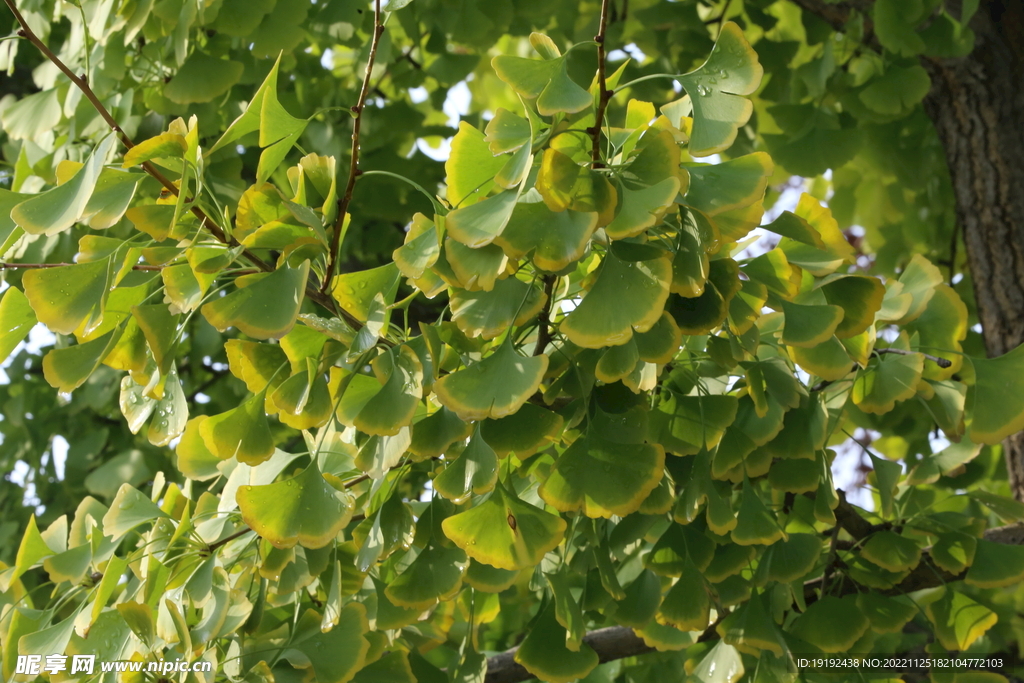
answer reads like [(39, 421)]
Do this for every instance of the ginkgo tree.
[(574, 410)]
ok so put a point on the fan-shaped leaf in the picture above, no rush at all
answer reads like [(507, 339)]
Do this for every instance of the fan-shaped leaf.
[(266, 309), (494, 387)]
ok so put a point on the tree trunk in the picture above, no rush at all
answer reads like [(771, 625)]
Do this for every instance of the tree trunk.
[(977, 106)]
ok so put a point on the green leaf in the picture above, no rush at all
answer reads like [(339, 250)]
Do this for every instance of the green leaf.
[(891, 551), (642, 207), (832, 624), (551, 239), (686, 424), (471, 166), (474, 471), (995, 407), (31, 551), (355, 291), (16, 320), (432, 435), (524, 432), (420, 250), (733, 184), (567, 609), (505, 132), (202, 78), (1008, 509), (192, 457), (479, 224), (435, 575), (756, 525), (338, 654), (56, 210), (887, 615), (505, 532), (163, 146), (859, 297), (484, 577), (750, 629), (718, 112), (628, 296), (67, 369), (897, 91), (789, 559), (494, 387), (487, 314), (807, 325), (896, 22), (129, 509), (888, 380), (958, 620), (687, 605), (722, 664), (602, 477), (954, 551), (996, 565), (242, 433), (265, 309), (544, 653), (548, 81), (305, 510)]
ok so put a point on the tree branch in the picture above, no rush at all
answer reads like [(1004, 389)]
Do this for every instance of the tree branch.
[(81, 82), (353, 167), (617, 642), (544, 318), (31, 266), (603, 94)]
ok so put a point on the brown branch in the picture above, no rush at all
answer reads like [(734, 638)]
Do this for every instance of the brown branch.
[(603, 94), (544, 318), (941, 362), (81, 82), (227, 539), (353, 167)]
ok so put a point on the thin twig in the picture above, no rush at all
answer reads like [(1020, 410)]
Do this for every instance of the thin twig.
[(603, 94), (353, 167), (544, 319), (941, 362), (204, 219), (721, 17), (224, 541)]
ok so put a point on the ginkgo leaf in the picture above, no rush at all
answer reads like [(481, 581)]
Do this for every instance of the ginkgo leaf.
[(995, 407), (470, 167), (954, 551), (506, 132), (828, 360), (750, 629), (67, 297), (546, 80), (474, 471), (552, 239), (958, 620), (165, 145), (476, 268), (488, 314), (567, 609), (807, 325), (996, 565), (202, 78), (420, 250), (832, 624), (704, 313), (859, 297), (891, 551), (304, 400), (628, 296), (687, 605), (686, 424), (304, 510), (192, 457), (718, 112), (435, 575), (392, 404), (488, 579), (432, 435), (493, 387), (643, 597), (887, 615), (56, 210), (641, 208), (789, 559), (265, 309), (241, 432), (479, 224), (730, 185), (524, 432), (888, 380), (16, 320), (755, 522), (722, 664), (564, 184), (544, 653), (603, 478), (336, 656), (68, 368), (505, 532)]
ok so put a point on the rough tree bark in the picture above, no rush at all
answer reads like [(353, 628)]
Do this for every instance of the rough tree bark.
[(977, 106)]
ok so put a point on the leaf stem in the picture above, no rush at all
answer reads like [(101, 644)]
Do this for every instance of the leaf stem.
[(603, 94), (82, 84), (353, 168), (941, 362)]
